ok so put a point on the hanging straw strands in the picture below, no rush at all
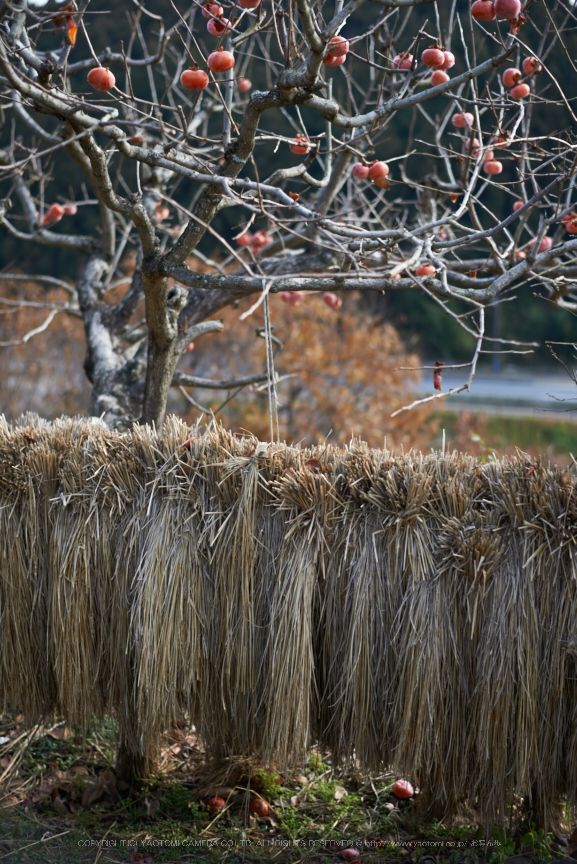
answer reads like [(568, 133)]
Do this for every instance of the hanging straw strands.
[(411, 611)]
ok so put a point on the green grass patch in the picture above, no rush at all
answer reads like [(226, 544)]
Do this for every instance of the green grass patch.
[(529, 433), (313, 829), (314, 812), (484, 433)]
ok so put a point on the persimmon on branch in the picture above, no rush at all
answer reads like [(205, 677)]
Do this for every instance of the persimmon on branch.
[(170, 135)]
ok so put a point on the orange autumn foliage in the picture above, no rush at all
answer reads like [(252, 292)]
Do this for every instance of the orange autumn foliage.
[(344, 373), (343, 368), (45, 374)]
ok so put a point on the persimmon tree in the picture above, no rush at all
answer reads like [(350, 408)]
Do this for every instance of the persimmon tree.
[(289, 185)]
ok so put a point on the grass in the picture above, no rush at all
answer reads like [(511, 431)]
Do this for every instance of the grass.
[(481, 434), (315, 813)]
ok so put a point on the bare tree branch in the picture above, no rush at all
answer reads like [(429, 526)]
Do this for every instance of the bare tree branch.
[(181, 379), (160, 163)]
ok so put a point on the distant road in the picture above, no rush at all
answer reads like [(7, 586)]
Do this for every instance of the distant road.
[(510, 393)]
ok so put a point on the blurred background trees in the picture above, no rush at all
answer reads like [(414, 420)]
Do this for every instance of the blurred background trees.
[(339, 371)]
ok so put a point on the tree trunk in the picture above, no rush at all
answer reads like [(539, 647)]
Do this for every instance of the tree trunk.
[(117, 395), (162, 310)]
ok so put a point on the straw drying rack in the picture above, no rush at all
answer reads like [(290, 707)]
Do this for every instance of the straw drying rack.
[(415, 611)]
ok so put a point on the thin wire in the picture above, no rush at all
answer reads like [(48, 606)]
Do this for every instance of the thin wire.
[(272, 388)]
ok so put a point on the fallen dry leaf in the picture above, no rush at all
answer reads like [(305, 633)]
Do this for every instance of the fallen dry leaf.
[(315, 466), (268, 820), (340, 792), (61, 733), (141, 858), (53, 777), (107, 777), (59, 804), (176, 735), (151, 807), (92, 794), (108, 782)]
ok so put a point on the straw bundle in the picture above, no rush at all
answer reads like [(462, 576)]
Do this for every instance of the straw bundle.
[(415, 611)]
